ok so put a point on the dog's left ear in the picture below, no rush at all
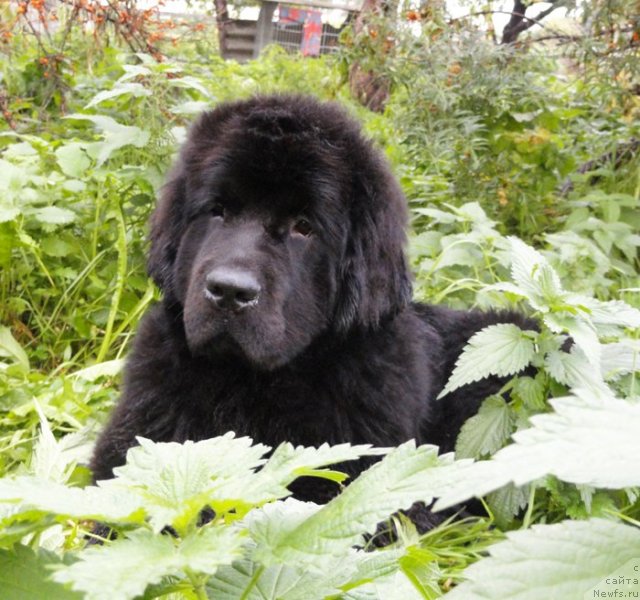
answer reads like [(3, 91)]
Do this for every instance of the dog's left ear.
[(374, 276)]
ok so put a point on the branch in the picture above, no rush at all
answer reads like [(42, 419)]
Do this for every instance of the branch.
[(520, 22)]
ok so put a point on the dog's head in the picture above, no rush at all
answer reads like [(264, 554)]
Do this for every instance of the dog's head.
[(279, 223)]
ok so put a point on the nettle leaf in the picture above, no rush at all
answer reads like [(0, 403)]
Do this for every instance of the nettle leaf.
[(115, 135), (128, 565), (613, 312), (53, 215), (581, 330), (25, 574), (620, 358), (279, 582), (73, 159), (502, 350), (33, 495), (591, 439), (574, 370), (407, 474), (54, 459), (565, 560), (507, 502), (487, 431), (136, 90), (175, 481), (533, 275), (531, 391)]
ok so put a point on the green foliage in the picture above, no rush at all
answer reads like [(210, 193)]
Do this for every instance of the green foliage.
[(251, 532)]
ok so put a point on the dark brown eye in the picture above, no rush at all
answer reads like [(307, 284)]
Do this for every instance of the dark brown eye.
[(302, 227), (217, 210)]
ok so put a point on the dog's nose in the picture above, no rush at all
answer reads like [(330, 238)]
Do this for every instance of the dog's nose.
[(232, 289)]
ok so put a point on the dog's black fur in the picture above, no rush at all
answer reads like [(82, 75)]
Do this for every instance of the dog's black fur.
[(284, 198)]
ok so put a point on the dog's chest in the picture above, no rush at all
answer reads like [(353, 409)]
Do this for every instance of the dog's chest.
[(308, 407)]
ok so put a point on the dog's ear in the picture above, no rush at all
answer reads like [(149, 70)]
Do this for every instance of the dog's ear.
[(374, 277), (164, 234)]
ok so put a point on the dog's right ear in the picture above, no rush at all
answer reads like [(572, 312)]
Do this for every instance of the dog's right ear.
[(165, 220)]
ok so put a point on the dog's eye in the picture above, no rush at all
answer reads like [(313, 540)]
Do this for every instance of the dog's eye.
[(302, 227), (217, 210)]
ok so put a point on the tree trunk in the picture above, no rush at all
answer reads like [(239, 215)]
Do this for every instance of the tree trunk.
[(222, 18)]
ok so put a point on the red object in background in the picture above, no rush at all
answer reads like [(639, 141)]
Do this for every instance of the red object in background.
[(312, 34)]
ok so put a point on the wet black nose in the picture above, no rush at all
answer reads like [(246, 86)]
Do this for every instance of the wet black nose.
[(232, 289)]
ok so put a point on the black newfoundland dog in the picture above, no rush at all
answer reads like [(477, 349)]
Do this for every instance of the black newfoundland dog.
[(287, 315)]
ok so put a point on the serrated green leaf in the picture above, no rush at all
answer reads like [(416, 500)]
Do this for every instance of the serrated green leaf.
[(531, 391), (567, 560), (25, 575), (507, 502), (54, 459), (33, 494), (613, 312), (620, 357), (279, 582), (115, 134), (407, 474), (487, 431), (581, 330), (176, 481), (591, 439), (574, 370), (128, 565), (533, 275), (503, 349)]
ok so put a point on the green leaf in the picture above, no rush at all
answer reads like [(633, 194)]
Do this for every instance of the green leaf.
[(407, 474), (124, 568), (566, 560), (502, 350), (33, 494), (581, 330), (487, 431), (507, 502), (620, 357), (25, 575), (279, 582), (613, 312), (135, 90), (176, 481), (54, 459), (591, 439), (531, 391), (9, 348), (109, 368), (574, 370), (53, 215), (533, 276), (72, 159), (116, 136)]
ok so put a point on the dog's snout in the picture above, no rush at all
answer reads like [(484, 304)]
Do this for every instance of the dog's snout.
[(232, 289)]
